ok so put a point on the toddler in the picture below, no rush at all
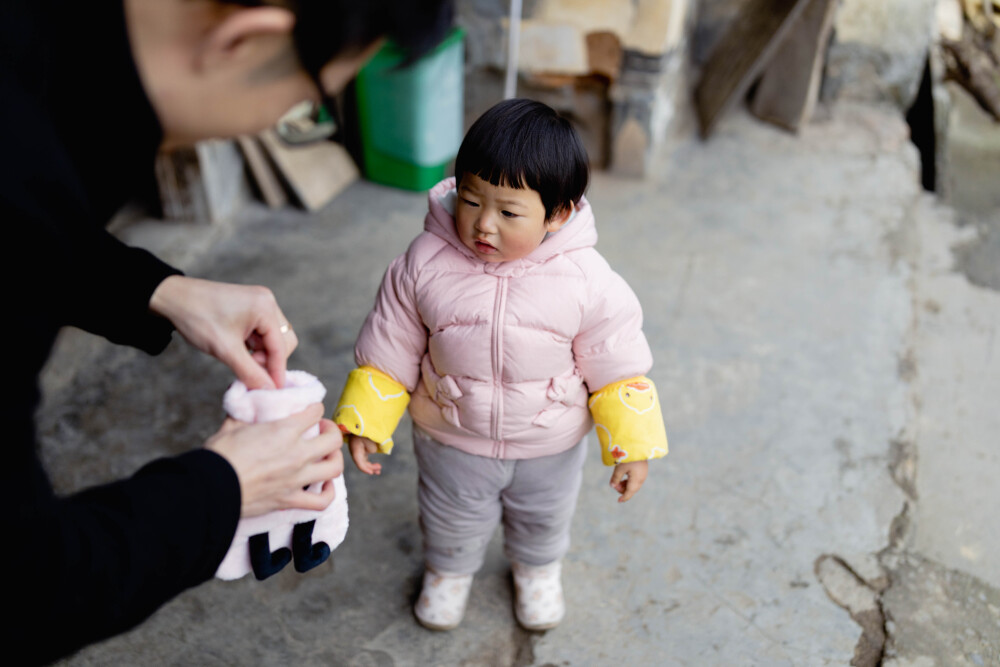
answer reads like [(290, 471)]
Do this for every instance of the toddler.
[(509, 336)]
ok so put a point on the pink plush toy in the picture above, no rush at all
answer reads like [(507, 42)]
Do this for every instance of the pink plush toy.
[(305, 537)]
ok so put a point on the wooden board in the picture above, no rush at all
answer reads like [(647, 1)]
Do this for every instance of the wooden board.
[(789, 86), (315, 173), (741, 54), (268, 184), (203, 183)]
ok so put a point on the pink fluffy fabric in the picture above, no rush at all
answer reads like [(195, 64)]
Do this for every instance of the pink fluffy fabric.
[(263, 405)]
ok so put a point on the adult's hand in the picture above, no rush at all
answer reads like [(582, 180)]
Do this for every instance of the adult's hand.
[(240, 325), (274, 461)]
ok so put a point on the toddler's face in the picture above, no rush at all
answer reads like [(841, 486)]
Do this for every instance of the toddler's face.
[(501, 224)]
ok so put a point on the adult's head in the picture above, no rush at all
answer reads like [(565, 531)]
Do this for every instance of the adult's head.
[(218, 68)]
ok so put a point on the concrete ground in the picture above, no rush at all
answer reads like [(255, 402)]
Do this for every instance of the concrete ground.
[(829, 381)]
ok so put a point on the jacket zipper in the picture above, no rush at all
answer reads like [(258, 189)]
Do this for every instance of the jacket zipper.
[(499, 306)]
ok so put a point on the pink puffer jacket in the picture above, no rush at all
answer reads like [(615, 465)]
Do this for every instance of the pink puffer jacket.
[(499, 358)]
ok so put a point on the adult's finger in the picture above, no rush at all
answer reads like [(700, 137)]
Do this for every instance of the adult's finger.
[(302, 421), (274, 337), (229, 424), (312, 501), (327, 469), (246, 367), (328, 442)]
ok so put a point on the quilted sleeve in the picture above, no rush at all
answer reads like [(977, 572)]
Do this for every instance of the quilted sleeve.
[(610, 345), (628, 421), (393, 338), (371, 406)]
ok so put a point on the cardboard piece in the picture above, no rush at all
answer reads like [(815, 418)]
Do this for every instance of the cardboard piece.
[(268, 184), (315, 173)]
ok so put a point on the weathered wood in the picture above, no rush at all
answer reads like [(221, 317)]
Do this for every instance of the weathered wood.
[(268, 184), (604, 54), (178, 180), (741, 54), (974, 63), (789, 86), (204, 183), (315, 173)]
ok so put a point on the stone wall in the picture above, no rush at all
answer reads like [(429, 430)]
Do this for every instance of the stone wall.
[(623, 69), (616, 67), (877, 54)]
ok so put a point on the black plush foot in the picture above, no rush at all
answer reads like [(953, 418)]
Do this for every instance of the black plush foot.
[(307, 555), (264, 562)]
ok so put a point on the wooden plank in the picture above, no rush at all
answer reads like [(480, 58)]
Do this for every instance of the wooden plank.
[(741, 54), (268, 183), (789, 86), (178, 179), (223, 178), (315, 173)]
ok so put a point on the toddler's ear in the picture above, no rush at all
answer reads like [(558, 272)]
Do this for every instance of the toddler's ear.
[(559, 218)]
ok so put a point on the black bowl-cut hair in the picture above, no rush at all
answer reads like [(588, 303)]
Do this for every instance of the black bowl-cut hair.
[(522, 143)]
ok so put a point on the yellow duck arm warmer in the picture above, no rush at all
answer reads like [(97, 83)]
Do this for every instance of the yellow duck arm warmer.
[(371, 405), (628, 421)]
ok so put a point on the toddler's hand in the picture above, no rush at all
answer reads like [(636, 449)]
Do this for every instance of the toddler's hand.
[(626, 479), (361, 449)]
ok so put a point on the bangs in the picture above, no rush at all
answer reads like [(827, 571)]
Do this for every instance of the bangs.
[(525, 144)]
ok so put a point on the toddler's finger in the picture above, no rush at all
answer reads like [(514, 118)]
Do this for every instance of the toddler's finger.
[(632, 485), (616, 480), (360, 456)]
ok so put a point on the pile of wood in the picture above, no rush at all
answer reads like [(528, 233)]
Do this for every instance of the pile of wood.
[(974, 60), (214, 180), (778, 44)]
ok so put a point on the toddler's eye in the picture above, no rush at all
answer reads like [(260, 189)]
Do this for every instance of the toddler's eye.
[(469, 203), (507, 214)]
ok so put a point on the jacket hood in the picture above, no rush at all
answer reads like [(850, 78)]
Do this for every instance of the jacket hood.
[(579, 232)]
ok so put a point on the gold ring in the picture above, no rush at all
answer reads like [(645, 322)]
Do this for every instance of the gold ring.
[(284, 328)]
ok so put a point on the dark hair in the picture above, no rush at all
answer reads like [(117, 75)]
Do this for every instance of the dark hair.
[(526, 144), (325, 29)]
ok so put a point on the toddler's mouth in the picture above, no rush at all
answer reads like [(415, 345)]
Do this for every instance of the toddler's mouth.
[(485, 248)]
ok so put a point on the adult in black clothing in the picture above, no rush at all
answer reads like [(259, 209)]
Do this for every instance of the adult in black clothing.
[(88, 92)]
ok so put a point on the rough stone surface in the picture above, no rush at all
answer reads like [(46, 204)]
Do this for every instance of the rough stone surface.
[(880, 48), (957, 381), (938, 616), (972, 155), (784, 294)]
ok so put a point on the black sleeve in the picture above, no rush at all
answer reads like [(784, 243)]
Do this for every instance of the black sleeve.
[(94, 564), (67, 267), (84, 567)]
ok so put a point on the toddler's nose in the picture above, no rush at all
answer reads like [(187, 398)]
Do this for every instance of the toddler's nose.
[(486, 224)]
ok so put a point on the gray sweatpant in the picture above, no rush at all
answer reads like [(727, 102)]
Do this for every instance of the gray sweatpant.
[(463, 497)]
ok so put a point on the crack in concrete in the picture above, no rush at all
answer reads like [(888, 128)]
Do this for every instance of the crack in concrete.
[(862, 597), (524, 647), (903, 466)]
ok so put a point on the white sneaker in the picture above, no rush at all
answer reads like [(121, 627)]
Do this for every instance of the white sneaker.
[(538, 596), (441, 605)]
